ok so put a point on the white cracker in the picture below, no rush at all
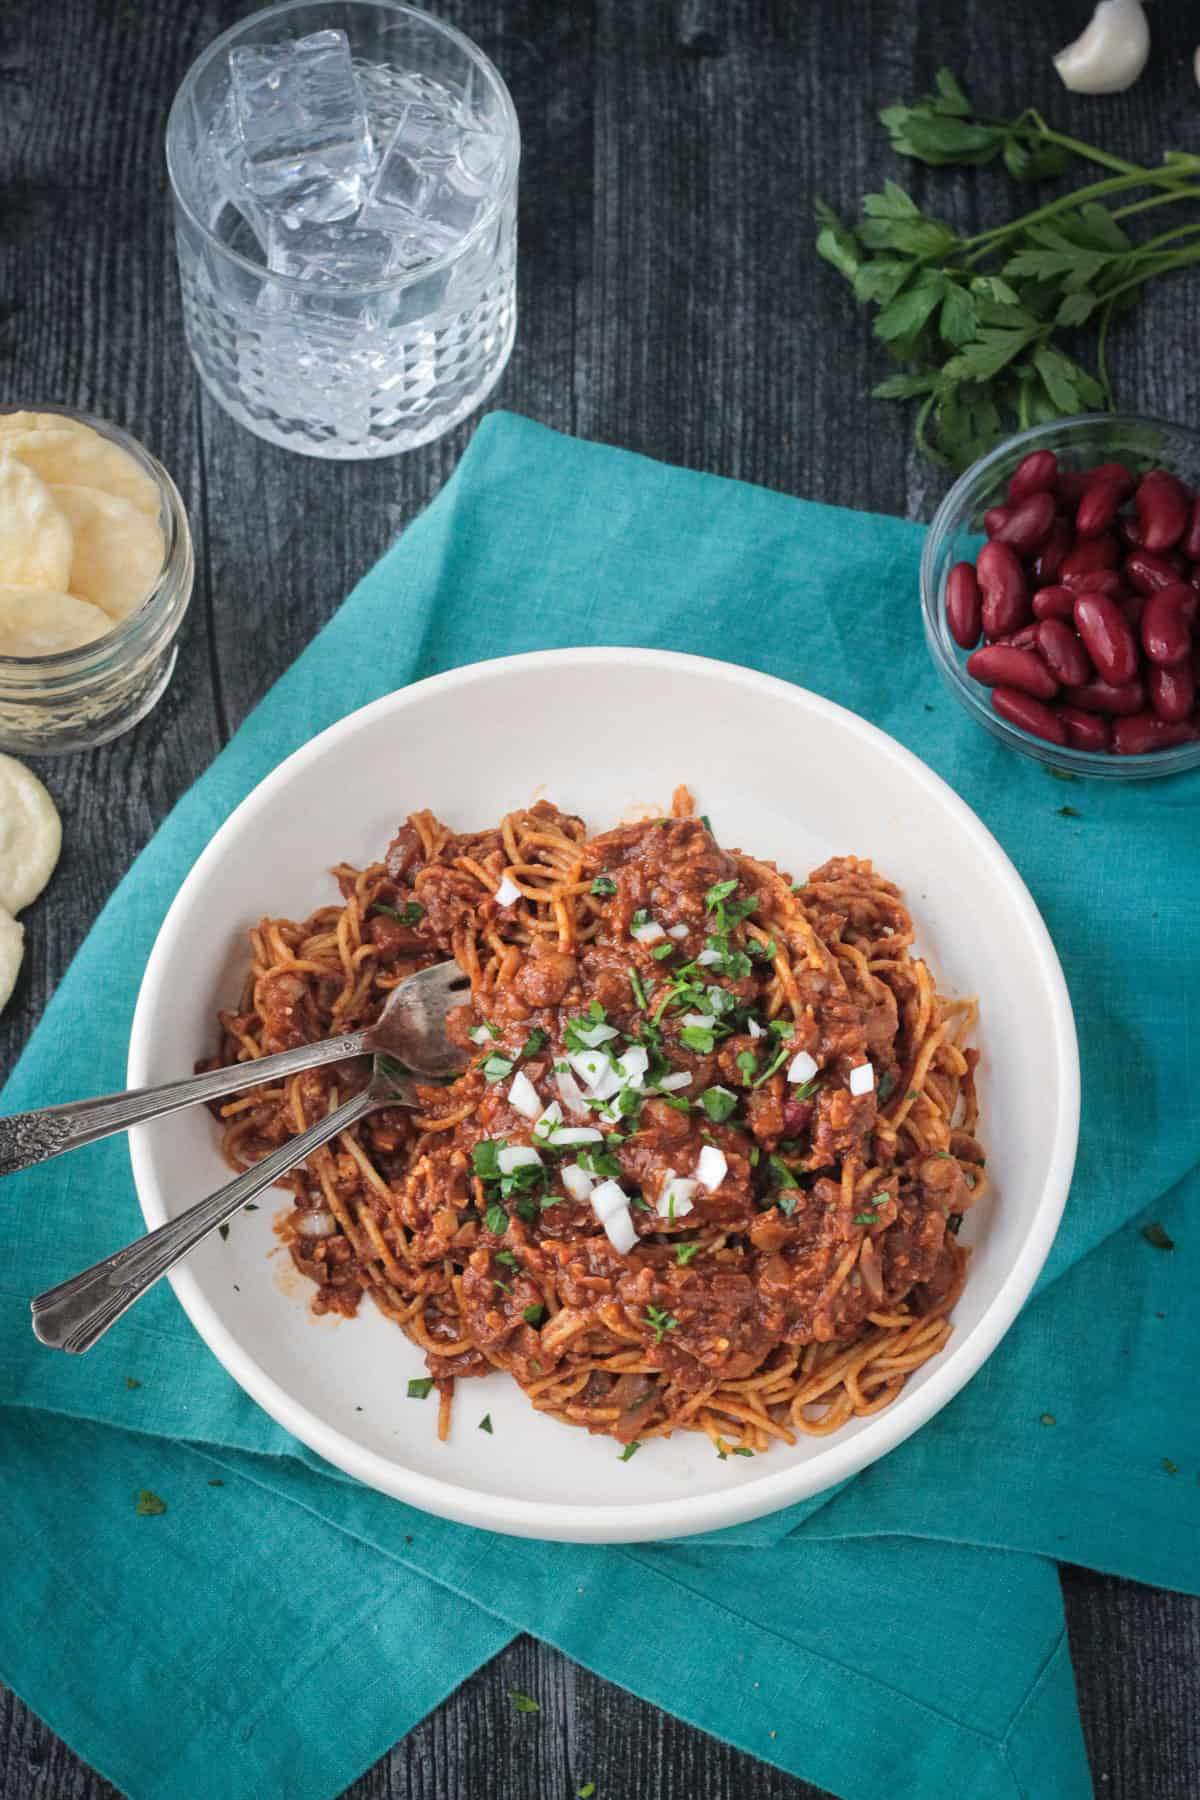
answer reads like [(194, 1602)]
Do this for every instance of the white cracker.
[(30, 840)]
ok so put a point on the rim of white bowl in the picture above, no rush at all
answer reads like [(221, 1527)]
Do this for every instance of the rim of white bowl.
[(639, 1521)]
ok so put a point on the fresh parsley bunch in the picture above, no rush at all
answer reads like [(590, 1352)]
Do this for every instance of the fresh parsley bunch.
[(977, 322)]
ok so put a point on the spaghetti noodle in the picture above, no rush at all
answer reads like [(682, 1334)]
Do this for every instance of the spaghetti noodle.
[(706, 1165)]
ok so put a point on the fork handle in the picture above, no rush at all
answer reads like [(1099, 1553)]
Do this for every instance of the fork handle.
[(34, 1137), (77, 1313)]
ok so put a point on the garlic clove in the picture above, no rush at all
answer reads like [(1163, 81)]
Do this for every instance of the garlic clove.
[(1196, 63), (1111, 53)]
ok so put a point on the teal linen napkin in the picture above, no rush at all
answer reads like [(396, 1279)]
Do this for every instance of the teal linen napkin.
[(178, 1652)]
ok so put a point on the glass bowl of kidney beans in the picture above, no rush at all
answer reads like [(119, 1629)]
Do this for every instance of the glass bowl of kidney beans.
[(1060, 586)]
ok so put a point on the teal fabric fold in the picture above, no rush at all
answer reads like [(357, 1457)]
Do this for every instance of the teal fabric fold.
[(851, 1639)]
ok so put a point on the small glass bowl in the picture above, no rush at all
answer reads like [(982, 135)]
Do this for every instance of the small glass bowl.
[(77, 699), (956, 535)]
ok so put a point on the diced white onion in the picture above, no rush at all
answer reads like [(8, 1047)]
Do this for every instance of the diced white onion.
[(670, 1084), (595, 1035), (702, 1021), (862, 1079), (316, 1225), (524, 1096), (649, 933), (634, 1064), (802, 1067), (507, 892), (577, 1181), (607, 1199), (543, 1125), (570, 1093), (621, 1232), (678, 932), (675, 1201), (595, 1070), (564, 1135), (708, 957), (711, 1167), (515, 1156), (481, 1035), (755, 1029)]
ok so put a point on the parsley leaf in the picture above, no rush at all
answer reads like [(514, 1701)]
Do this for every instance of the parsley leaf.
[(718, 1103), (522, 1702), (631, 1449), (149, 1506), (603, 887), (419, 1387), (660, 1322), (496, 1067), (685, 1252), (407, 914), (485, 1424)]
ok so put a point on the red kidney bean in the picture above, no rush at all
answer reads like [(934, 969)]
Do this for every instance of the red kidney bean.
[(1108, 486), (1163, 506), (1098, 696), (995, 519), (1022, 709), (1172, 692), (1000, 665), (1024, 639), (1054, 603), (1098, 553), (1095, 581), (1032, 475), (1166, 624), (1028, 525), (963, 603), (1190, 543), (1194, 579), (1107, 638), (1005, 589), (1140, 733), (1085, 730), (1071, 486), (1062, 653), (1132, 607), (1049, 559), (797, 1116), (1129, 532), (1147, 572)]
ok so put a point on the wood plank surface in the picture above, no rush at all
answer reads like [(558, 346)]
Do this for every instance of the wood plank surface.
[(670, 302)]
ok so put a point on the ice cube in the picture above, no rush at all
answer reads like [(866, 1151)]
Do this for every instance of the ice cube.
[(302, 125), (478, 158), (339, 253)]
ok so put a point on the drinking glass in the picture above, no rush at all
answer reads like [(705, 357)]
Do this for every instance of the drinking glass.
[(335, 367)]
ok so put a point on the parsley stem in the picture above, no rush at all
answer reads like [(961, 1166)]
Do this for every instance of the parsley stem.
[(1076, 146), (984, 242), (1167, 199), (1102, 355)]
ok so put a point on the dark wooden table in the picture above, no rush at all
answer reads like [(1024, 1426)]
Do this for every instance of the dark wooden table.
[(671, 302)]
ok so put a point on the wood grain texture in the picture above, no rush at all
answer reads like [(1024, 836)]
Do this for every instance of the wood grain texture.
[(670, 302)]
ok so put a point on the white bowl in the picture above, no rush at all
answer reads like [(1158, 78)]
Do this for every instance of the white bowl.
[(606, 733)]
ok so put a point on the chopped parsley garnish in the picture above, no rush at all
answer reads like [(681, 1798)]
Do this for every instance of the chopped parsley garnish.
[(676, 1101), (639, 1203), (741, 1450), (788, 1202), (496, 1067), (806, 1090), (887, 1082), (765, 952), (641, 917), (685, 1252), (502, 1285), (660, 952), (1048, 1419), (506, 1256), (720, 890), (639, 992), (631, 1449), (747, 1063), (420, 1386), (660, 1322), (781, 1028), (718, 1103), (1172, 1468), (224, 1231), (485, 1424), (783, 1173), (1067, 812), (533, 1315), (695, 1037), (408, 914), (866, 1218), (522, 1702), (149, 1506), (130, 1382), (534, 1042), (629, 1103), (707, 824), (776, 1062), (496, 1220), (603, 887), (599, 1162), (755, 1153)]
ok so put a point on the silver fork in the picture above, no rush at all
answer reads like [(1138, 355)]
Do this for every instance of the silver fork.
[(411, 1028), (76, 1314)]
